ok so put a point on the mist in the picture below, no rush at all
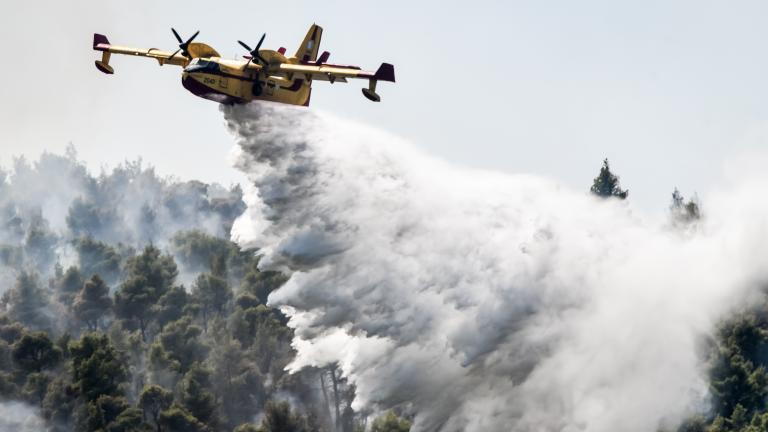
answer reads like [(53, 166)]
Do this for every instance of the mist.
[(54, 210), (476, 300), (19, 417)]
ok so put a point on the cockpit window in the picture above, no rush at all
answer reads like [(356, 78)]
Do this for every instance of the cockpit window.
[(200, 65)]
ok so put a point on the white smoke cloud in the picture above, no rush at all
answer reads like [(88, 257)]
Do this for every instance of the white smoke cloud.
[(48, 204), (19, 417), (483, 301)]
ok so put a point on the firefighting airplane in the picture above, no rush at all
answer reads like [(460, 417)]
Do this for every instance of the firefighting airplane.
[(263, 74)]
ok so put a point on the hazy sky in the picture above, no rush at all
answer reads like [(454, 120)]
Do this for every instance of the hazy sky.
[(668, 90)]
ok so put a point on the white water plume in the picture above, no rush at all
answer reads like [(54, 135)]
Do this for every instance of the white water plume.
[(483, 301)]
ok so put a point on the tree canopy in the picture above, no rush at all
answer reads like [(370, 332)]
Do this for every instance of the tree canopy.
[(606, 184)]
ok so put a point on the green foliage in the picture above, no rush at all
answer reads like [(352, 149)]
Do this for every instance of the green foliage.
[(87, 218), (212, 294), (40, 242), (92, 302), (739, 417), (173, 305), (59, 403), (259, 284), (199, 251), (36, 387), (238, 382), (96, 257), (154, 368), (260, 330), (35, 352), (97, 368), (196, 395), (27, 302), (154, 400), (68, 285), (738, 374), (159, 271), (9, 389), (390, 422), (130, 420), (279, 418), (179, 346), (606, 184), (150, 276), (259, 325), (10, 331), (110, 414), (178, 419)]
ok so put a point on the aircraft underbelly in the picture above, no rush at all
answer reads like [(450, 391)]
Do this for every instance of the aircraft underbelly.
[(231, 90), (212, 87)]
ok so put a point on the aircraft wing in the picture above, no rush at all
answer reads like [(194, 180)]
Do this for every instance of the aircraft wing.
[(101, 43), (334, 73)]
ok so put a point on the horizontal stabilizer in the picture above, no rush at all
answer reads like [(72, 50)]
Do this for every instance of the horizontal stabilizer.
[(99, 39)]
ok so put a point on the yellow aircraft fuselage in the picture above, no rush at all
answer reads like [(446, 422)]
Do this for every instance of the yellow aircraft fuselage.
[(272, 76), (229, 81)]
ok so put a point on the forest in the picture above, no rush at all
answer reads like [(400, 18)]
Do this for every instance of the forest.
[(125, 307)]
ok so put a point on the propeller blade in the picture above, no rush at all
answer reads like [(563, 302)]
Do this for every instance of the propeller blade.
[(258, 45), (193, 37), (255, 51), (242, 44), (171, 56), (178, 38)]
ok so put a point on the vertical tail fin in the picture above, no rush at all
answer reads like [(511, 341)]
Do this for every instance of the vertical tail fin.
[(311, 44)]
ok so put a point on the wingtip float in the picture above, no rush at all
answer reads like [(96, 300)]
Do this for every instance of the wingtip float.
[(263, 74)]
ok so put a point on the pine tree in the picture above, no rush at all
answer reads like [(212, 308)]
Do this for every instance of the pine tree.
[(279, 418), (97, 367), (172, 306), (98, 258), (683, 212), (68, 285), (178, 346), (35, 352), (150, 276), (154, 400), (27, 302), (606, 184), (92, 302), (178, 419), (213, 294), (390, 423), (197, 397)]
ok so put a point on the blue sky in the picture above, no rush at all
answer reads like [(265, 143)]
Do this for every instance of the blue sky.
[(669, 91)]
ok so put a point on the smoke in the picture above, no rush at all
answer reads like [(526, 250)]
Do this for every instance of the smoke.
[(19, 417), (482, 301), (49, 206)]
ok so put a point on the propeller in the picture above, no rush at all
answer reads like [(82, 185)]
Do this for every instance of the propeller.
[(255, 52), (183, 46)]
